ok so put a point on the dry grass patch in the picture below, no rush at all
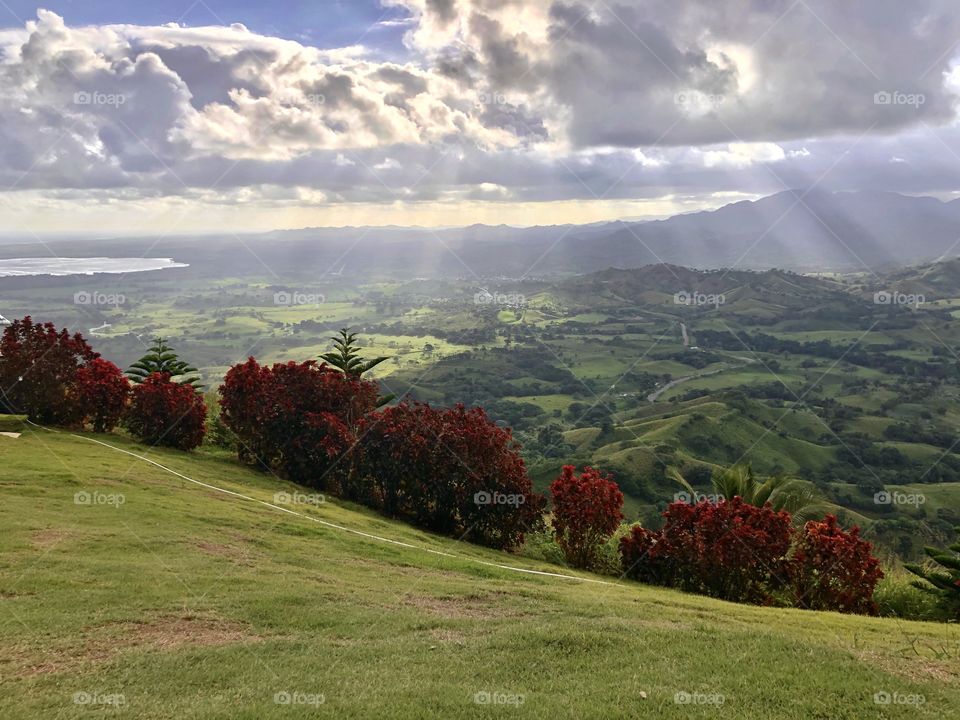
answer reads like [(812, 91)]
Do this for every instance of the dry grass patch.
[(104, 643), (51, 537), (238, 554), (487, 606), (911, 667)]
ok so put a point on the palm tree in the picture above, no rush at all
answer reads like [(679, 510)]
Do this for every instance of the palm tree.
[(346, 357), (798, 497), (161, 358)]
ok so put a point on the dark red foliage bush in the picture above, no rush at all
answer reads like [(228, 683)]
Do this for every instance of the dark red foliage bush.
[(495, 496), (642, 560), (245, 402), (452, 471), (740, 552), (587, 509), (166, 413), (397, 467), (298, 419), (730, 550), (103, 391), (38, 368), (833, 570)]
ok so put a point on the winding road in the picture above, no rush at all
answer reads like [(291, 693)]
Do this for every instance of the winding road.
[(655, 395)]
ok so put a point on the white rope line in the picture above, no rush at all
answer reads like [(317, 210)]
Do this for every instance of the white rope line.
[(341, 527)]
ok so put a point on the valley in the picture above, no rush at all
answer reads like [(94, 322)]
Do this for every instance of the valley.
[(636, 371)]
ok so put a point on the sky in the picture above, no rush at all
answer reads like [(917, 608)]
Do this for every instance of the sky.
[(221, 115)]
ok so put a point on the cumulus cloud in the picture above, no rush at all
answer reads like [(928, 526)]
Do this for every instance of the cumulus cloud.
[(497, 99), (701, 71), (133, 99)]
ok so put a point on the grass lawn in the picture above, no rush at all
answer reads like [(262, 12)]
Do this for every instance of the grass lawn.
[(190, 603)]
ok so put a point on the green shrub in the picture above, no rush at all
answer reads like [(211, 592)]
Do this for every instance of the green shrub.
[(543, 546), (941, 576), (218, 434), (896, 596)]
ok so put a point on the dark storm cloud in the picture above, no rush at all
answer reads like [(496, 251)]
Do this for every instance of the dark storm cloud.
[(720, 71), (499, 99)]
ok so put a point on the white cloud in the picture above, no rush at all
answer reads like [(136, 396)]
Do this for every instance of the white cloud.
[(742, 155), (533, 100)]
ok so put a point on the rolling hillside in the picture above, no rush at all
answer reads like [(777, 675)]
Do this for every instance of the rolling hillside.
[(127, 587), (797, 229)]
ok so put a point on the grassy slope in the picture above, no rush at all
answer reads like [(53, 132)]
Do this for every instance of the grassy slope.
[(194, 604)]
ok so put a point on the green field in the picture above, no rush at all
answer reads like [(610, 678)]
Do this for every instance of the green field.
[(795, 374), (186, 602)]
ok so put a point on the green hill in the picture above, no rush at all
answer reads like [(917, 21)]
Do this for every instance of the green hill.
[(770, 293), (938, 280), (184, 586)]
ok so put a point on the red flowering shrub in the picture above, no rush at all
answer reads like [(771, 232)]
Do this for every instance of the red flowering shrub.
[(245, 399), (297, 418), (166, 413), (452, 471), (38, 367), (103, 392), (644, 560), (587, 509), (729, 550), (398, 466), (495, 497), (736, 551), (833, 570)]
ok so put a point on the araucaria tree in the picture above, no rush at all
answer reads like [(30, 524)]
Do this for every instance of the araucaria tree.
[(943, 580), (346, 355), (346, 358), (161, 358)]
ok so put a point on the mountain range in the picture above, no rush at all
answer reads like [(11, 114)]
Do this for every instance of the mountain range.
[(795, 230)]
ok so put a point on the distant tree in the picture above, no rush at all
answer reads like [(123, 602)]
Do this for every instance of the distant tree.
[(161, 358), (550, 441)]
